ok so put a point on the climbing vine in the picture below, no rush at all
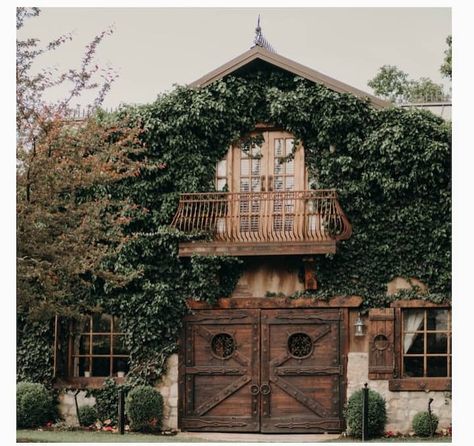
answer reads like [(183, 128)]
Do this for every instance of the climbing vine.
[(391, 169)]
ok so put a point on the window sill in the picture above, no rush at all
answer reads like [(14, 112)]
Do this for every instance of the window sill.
[(419, 384), (82, 382)]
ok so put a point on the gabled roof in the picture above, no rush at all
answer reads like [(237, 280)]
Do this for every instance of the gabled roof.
[(259, 54)]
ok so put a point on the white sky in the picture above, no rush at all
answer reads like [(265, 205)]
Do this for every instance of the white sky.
[(153, 48)]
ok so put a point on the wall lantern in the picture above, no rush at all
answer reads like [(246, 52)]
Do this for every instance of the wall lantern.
[(359, 326)]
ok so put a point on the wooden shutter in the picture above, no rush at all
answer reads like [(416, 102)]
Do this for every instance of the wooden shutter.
[(381, 343)]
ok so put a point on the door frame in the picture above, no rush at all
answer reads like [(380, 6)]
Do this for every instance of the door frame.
[(343, 303)]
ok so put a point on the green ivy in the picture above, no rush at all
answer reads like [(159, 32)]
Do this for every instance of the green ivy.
[(391, 168)]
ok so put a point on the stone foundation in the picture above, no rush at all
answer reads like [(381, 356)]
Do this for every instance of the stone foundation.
[(168, 387), (67, 406), (401, 406)]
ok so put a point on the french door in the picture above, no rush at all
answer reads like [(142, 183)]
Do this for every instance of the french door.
[(265, 177)]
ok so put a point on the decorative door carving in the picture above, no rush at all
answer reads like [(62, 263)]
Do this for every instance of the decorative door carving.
[(262, 370)]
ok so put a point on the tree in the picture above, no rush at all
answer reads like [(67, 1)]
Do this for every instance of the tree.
[(394, 85), (68, 224), (446, 67), (390, 83)]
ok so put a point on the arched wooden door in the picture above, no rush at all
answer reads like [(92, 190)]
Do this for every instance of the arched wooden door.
[(249, 370)]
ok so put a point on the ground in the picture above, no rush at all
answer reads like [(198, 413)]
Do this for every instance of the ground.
[(35, 436)]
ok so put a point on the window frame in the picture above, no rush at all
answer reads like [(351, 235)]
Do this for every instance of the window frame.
[(68, 379), (425, 383)]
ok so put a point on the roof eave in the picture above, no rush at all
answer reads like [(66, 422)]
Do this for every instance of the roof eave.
[(289, 65)]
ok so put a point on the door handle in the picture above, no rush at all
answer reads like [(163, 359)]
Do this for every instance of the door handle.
[(254, 389), (265, 389), (270, 183)]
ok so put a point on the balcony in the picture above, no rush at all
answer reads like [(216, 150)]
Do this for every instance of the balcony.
[(261, 223)]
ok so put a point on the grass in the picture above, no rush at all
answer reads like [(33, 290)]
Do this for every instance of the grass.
[(438, 439), (35, 436)]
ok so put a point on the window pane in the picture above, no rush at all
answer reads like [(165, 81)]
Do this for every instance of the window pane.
[(256, 151), (244, 185), (222, 168), (437, 319), (290, 183), (413, 320), (413, 366), (289, 146), (101, 323), (82, 365), (437, 343), (119, 345), (117, 326), (279, 147), (84, 344), (278, 167), (290, 167), (256, 164), (100, 366), (221, 183), (120, 365), (278, 183), (437, 366), (101, 345), (244, 167), (413, 343), (256, 184)]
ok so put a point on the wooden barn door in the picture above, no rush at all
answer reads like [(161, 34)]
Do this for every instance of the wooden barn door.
[(302, 371), (262, 370), (219, 371)]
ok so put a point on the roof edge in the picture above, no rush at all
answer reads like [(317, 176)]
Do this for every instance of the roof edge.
[(286, 64)]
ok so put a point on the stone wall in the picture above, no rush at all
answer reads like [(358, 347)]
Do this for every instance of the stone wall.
[(168, 387), (67, 406), (401, 406)]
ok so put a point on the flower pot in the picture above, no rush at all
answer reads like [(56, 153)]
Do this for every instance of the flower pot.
[(87, 374), (121, 374)]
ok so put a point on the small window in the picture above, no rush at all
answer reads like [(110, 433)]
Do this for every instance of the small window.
[(97, 348), (426, 343)]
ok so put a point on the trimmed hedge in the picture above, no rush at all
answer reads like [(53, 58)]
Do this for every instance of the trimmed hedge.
[(144, 408), (421, 424), (87, 415), (377, 414), (34, 405)]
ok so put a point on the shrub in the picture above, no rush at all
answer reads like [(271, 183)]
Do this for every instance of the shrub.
[(34, 405), (144, 407), (421, 424), (377, 414), (87, 415), (106, 399)]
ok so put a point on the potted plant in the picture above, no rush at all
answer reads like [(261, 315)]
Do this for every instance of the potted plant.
[(121, 365)]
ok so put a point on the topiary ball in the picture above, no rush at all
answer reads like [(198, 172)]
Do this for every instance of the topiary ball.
[(34, 405), (377, 414), (87, 415), (421, 424), (144, 408)]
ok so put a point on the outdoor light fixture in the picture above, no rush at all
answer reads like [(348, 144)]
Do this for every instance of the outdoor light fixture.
[(359, 326)]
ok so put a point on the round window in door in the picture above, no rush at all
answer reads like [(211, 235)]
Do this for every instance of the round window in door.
[(223, 345), (300, 345)]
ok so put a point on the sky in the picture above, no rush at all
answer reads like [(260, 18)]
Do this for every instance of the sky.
[(153, 48)]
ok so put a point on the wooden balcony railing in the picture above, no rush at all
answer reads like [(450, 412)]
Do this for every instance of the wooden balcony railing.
[(262, 223)]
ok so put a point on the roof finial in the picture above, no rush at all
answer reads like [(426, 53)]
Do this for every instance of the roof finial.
[(260, 40)]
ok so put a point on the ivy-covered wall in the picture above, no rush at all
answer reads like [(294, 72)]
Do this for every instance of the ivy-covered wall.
[(391, 169)]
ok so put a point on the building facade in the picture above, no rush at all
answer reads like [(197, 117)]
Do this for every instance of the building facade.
[(269, 358)]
